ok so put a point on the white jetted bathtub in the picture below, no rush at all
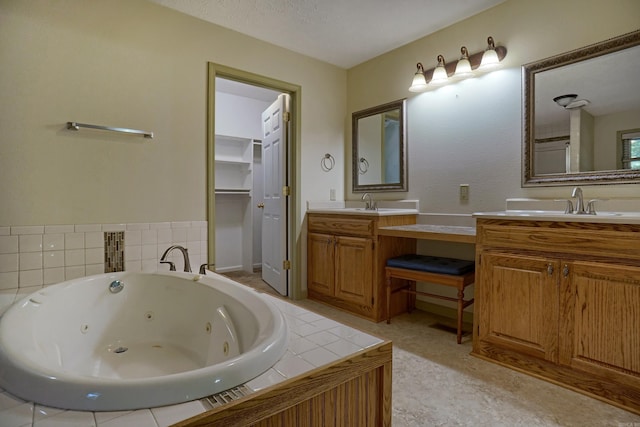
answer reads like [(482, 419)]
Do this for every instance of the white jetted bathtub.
[(121, 341)]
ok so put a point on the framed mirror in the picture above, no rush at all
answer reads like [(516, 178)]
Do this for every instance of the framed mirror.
[(581, 116), (379, 148)]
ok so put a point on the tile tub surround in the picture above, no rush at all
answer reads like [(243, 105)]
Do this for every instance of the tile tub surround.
[(34, 256), (314, 341)]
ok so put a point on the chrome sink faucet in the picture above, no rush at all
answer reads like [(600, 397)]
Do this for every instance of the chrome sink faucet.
[(172, 266), (371, 204), (577, 194)]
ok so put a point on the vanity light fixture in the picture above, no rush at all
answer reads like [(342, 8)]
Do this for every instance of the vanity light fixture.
[(440, 76), (419, 83), (463, 67), (467, 66), (490, 58)]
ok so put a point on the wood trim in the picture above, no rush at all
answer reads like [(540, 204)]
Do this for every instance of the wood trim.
[(592, 385), (352, 391)]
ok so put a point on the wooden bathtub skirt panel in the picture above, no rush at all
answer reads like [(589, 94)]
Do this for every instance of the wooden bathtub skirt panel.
[(354, 391)]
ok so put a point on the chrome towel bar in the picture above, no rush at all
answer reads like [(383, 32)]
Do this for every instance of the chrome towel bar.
[(77, 126)]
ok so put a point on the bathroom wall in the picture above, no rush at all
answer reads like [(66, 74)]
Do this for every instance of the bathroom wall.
[(131, 63), (470, 132), (134, 64)]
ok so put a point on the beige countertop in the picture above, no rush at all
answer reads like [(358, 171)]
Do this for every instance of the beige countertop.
[(535, 215), (363, 211), (448, 233)]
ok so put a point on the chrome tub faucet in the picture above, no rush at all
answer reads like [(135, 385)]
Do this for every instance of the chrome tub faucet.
[(172, 266)]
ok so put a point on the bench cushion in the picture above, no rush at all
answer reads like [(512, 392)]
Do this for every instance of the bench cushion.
[(432, 264)]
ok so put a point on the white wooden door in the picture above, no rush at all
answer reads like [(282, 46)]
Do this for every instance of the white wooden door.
[(274, 217)]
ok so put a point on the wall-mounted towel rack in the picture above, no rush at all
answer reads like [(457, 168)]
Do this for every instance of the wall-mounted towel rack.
[(77, 126), (327, 162)]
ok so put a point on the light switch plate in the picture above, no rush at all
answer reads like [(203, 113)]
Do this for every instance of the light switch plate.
[(464, 192)]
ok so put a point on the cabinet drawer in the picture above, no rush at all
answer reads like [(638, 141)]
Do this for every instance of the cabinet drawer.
[(341, 225), (588, 239)]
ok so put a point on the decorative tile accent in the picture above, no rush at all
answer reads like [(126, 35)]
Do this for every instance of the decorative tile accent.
[(113, 251), (47, 254)]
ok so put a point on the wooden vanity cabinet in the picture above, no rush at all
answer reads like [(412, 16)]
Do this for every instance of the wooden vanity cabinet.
[(523, 300), (561, 301), (346, 259)]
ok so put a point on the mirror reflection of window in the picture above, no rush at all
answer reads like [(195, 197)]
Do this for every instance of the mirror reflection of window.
[(369, 145), (630, 141), (379, 148), (553, 155), (391, 150)]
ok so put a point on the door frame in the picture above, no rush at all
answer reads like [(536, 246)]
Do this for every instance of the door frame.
[(292, 164)]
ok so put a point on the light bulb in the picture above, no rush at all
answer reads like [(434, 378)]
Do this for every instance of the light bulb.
[(490, 58), (463, 67), (440, 76), (419, 83)]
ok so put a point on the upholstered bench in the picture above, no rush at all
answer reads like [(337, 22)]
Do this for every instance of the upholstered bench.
[(452, 272)]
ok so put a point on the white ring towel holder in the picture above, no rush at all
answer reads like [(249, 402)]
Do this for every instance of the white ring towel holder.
[(363, 165), (327, 162)]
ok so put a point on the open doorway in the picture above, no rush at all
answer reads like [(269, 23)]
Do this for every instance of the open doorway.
[(238, 191)]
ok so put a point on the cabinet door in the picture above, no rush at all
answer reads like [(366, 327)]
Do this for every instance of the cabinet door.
[(320, 263), (600, 320), (519, 297), (354, 270)]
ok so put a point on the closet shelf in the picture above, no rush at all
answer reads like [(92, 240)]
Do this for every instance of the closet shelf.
[(237, 191), (230, 161)]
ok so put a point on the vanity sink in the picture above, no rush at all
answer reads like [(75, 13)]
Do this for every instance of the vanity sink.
[(556, 213), (378, 209), (363, 211), (621, 211), (543, 215)]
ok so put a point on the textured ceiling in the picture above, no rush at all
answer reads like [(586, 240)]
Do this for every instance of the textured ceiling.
[(341, 32)]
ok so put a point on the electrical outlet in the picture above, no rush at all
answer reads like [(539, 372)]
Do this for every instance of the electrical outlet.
[(332, 194), (464, 192)]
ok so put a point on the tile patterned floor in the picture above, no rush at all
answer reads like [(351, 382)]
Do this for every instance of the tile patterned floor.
[(436, 382)]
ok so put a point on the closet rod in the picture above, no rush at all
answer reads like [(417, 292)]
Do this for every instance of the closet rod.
[(77, 126)]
